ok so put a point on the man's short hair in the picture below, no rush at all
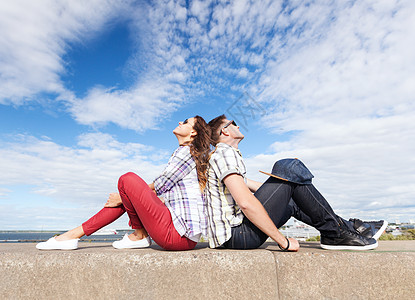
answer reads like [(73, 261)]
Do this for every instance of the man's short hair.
[(215, 127)]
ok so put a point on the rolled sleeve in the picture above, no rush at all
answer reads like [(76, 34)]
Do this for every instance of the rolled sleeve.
[(229, 172), (227, 163)]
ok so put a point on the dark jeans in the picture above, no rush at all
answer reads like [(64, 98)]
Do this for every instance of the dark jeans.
[(283, 200)]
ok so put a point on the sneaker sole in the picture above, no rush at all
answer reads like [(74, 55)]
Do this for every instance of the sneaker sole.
[(57, 248), (131, 246), (344, 247), (381, 230)]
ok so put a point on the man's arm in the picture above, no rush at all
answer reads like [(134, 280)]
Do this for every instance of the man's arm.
[(253, 185), (254, 211)]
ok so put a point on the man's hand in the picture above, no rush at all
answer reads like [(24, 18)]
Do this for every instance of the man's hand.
[(114, 200)]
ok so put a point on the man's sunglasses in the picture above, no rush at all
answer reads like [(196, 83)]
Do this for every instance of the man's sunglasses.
[(227, 124), (185, 121)]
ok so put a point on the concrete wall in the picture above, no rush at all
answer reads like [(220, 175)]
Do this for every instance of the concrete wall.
[(97, 271)]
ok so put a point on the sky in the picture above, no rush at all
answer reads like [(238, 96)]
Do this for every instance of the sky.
[(90, 90)]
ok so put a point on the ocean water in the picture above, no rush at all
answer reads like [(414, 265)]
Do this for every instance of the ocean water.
[(38, 236)]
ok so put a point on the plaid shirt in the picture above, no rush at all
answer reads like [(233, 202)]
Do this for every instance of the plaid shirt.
[(223, 212), (179, 186)]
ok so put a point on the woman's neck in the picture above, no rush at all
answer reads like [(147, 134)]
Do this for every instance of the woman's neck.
[(183, 141)]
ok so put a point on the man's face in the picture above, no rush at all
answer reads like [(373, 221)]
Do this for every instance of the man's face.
[(232, 129)]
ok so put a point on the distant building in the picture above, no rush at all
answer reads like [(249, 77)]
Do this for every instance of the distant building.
[(300, 231)]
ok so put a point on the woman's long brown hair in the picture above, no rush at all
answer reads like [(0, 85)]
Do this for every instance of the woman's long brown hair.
[(200, 149)]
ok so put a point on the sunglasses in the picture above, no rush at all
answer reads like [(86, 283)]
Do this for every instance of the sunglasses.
[(185, 121), (227, 124)]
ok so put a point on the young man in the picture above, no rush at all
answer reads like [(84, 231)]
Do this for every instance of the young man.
[(239, 219)]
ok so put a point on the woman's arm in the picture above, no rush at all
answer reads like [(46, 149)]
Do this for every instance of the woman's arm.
[(253, 185), (151, 186)]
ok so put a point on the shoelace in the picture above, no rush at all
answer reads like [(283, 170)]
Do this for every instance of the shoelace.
[(354, 234)]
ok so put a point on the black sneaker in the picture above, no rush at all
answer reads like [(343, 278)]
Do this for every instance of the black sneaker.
[(369, 229), (348, 240)]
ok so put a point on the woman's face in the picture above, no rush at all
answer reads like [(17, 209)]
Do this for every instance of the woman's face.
[(185, 128)]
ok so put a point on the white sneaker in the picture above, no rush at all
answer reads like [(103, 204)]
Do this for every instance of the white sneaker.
[(53, 244), (126, 243)]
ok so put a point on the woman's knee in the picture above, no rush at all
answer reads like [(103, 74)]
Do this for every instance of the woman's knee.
[(129, 178)]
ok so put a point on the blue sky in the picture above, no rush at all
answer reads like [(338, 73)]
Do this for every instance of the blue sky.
[(90, 90)]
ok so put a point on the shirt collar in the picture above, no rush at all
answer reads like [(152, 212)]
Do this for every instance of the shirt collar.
[(223, 145)]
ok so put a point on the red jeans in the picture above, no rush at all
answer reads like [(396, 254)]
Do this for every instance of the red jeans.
[(145, 211)]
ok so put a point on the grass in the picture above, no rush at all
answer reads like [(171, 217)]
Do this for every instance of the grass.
[(408, 234)]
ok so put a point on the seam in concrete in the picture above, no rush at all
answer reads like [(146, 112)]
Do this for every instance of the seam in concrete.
[(276, 275)]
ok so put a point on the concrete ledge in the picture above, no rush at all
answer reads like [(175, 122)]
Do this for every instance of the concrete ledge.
[(380, 274), (96, 270)]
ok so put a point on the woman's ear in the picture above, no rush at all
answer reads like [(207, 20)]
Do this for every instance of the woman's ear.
[(193, 133)]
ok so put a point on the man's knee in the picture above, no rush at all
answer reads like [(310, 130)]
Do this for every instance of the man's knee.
[(292, 170)]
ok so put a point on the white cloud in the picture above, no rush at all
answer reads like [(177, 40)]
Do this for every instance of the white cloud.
[(4, 192), (88, 171), (160, 86), (136, 109), (338, 74), (344, 67), (35, 36), (343, 82), (359, 179), (70, 184), (243, 72), (176, 58), (50, 217), (201, 10)]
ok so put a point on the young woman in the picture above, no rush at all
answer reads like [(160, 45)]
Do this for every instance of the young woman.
[(170, 210)]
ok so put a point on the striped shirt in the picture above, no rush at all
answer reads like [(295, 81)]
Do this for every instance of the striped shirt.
[(179, 186), (223, 212)]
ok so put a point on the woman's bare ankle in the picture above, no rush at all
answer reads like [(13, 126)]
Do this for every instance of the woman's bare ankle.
[(138, 234), (75, 233)]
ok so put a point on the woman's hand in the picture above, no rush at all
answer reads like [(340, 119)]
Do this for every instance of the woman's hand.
[(294, 245), (114, 200)]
